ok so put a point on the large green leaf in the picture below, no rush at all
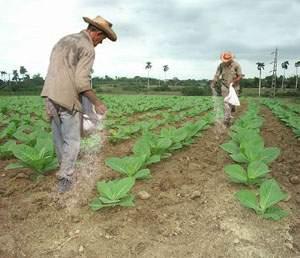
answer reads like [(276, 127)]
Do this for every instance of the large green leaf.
[(270, 194), (16, 165), (127, 201), (239, 157), (143, 174), (105, 189), (230, 147), (236, 173), (25, 153), (275, 213), (121, 187), (141, 147), (96, 204), (269, 154), (257, 169), (248, 199)]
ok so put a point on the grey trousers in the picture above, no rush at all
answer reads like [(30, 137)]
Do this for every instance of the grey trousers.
[(227, 106), (66, 137)]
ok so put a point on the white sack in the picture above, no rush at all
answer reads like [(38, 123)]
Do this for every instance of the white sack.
[(232, 97)]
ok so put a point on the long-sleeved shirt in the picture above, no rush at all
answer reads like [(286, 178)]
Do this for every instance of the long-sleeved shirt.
[(69, 70), (227, 73)]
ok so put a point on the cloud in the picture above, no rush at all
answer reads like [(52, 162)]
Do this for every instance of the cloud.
[(187, 35)]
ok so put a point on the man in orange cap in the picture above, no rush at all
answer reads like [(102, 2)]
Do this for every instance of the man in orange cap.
[(68, 79), (229, 73)]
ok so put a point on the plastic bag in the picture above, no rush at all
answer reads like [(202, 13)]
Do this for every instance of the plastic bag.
[(91, 121), (90, 124), (232, 97)]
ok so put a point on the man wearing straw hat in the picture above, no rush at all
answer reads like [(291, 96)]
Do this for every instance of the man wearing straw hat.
[(67, 79), (229, 73)]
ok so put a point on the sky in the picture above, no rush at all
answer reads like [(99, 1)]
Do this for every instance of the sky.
[(186, 35)]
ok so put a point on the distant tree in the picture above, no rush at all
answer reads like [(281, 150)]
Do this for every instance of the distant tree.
[(284, 66), (165, 69), (148, 68), (15, 77), (259, 67), (23, 71)]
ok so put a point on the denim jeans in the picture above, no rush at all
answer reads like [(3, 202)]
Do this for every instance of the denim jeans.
[(66, 137)]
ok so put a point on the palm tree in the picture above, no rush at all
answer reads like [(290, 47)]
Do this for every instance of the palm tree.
[(165, 69), (3, 75), (15, 76), (259, 67), (284, 66), (148, 67), (297, 64), (23, 71)]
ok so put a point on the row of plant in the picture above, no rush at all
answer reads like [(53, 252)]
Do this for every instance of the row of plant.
[(118, 116), (127, 105), (125, 132), (149, 149), (288, 116), (252, 166)]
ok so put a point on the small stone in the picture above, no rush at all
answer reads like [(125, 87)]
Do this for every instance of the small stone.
[(81, 249), (288, 197), (294, 180), (195, 195), (21, 175), (107, 236), (236, 241), (143, 195), (77, 231), (75, 219)]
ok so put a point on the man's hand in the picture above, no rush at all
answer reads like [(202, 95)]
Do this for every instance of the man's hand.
[(100, 109)]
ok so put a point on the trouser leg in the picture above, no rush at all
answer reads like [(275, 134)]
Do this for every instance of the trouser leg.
[(70, 131), (57, 138), (227, 112), (227, 106)]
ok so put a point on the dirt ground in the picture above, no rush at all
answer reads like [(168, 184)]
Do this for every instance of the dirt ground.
[(191, 211)]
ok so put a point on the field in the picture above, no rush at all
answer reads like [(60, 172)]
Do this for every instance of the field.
[(183, 172)]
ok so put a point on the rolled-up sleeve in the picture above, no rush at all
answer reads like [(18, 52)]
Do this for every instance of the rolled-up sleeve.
[(238, 70), (83, 71)]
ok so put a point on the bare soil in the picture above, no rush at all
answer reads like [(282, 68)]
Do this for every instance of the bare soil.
[(191, 211)]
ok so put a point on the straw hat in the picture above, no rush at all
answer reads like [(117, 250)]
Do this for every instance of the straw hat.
[(102, 25), (226, 56)]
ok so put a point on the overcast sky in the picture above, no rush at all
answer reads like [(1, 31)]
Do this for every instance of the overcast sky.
[(187, 35)]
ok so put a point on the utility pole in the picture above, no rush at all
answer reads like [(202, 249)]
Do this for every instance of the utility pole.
[(274, 72), (297, 64)]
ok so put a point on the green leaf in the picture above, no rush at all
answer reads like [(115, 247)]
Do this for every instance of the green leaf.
[(115, 189), (257, 169), (96, 204), (230, 147), (105, 200), (15, 166), (127, 165), (239, 157), (248, 199), (122, 187), (153, 159), (142, 147), (236, 173), (105, 189), (127, 201), (270, 194), (269, 154), (143, 174), (117, 164), (275, 213)]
